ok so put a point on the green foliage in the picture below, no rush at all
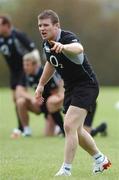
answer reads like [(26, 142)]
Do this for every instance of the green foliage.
[(38, 157), (9, 6), (95, 22)]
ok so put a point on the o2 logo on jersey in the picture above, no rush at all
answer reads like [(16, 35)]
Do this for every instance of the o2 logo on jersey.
[(54, 62), (5, 50)]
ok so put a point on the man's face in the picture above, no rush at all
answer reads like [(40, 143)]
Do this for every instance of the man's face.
[(47, 29), (5, 29), (29, 67)]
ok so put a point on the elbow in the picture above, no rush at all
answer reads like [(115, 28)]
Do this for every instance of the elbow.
[(80, 49)]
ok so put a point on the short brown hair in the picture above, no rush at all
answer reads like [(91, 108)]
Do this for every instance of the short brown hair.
[(49, 14), (5, 20)]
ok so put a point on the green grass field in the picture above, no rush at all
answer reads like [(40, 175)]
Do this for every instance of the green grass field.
[(39, 158)]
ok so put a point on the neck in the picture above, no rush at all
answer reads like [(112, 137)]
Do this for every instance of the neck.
[(58, 35)]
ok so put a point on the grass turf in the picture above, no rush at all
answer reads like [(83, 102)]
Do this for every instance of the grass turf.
[(39, 158)]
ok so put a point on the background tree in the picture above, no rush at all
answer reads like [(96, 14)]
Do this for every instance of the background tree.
[(96, 22)]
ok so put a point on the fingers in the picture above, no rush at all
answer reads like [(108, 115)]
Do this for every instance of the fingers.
[(39, 90), (51, 42), (57, 46), (38, 94), (39, 99)]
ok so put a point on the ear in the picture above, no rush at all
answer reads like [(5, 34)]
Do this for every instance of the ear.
[(57, 25)]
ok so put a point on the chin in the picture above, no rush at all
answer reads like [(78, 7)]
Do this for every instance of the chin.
[(44, 37)]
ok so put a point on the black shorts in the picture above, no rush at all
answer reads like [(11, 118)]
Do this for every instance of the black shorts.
[(15, 80), (82, 95)]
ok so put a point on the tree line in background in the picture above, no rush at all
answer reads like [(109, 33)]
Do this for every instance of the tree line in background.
[(96, 22)]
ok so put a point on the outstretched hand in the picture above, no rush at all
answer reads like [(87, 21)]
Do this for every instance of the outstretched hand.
[(57, 46)]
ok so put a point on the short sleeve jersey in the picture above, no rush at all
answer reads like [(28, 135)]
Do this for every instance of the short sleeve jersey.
[(72, 69), (14, 47), (33, 80)]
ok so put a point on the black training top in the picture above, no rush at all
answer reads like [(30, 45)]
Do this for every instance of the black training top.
[(73, 69), (14, 47)]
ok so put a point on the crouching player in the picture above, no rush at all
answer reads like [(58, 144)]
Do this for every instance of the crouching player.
[(26, 102)]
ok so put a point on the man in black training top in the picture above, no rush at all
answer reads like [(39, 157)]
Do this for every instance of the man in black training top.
[(65, 54)]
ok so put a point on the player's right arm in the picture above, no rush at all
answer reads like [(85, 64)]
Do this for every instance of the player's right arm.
[(48, 72)]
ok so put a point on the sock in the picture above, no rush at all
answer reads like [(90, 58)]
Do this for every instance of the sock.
[(99, 157), (58, 120), (20, 127), (27, 130), (67, 166)]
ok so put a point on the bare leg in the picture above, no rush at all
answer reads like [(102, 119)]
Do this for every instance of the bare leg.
[(20, 127), (23, 106), (73, 125), (54, 104), (86, 141), (49, 126), (71, 139), (73, 120)]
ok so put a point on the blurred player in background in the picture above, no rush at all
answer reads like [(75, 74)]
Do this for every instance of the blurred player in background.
[(65, 54), (14, 44), (26, 102)]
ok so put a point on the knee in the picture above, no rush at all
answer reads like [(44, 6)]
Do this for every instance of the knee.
[(50, 106), (21, 102), (54, 103), (68, 127)]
